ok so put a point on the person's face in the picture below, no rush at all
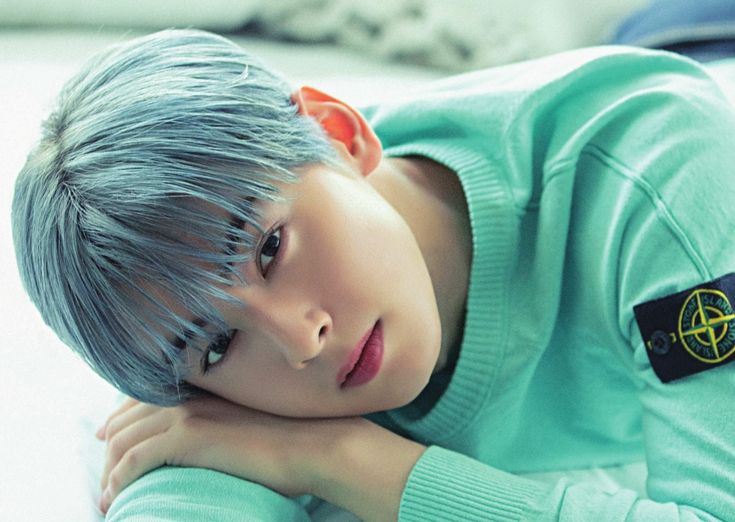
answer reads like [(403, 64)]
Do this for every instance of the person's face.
[(336, 261)]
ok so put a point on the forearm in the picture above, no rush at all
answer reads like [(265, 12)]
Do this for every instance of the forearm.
[(199, 495), (364, 470)]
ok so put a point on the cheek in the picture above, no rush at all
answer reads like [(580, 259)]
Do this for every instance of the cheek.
[(243, 376), (393, 264), (368, 243)]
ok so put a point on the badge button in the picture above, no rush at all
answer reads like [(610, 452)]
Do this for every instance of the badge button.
[(660, 343)]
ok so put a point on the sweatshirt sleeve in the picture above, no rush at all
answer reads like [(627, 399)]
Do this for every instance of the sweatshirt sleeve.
[(648, 177), (201, 495)]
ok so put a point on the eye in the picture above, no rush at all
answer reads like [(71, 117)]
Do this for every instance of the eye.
[(217, 350), (268, 253)]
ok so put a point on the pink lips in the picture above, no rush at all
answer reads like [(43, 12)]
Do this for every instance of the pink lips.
[(364, 361)]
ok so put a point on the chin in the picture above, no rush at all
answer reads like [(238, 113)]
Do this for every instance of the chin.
[(408, 393)]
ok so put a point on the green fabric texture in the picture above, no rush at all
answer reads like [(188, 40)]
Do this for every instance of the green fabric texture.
[(596, 180), (194, 494)]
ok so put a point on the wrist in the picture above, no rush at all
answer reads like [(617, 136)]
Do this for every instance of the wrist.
[(361, 467), (315, 452)]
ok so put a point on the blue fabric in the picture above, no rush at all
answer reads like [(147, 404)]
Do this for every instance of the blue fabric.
[(701, 29)]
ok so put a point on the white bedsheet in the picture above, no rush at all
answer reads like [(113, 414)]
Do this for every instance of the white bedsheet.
[(51, 403)]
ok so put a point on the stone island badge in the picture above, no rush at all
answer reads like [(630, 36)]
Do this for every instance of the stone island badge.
[(691, 331)]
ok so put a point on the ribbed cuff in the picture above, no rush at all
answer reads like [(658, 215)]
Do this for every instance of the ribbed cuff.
[(448, 486)]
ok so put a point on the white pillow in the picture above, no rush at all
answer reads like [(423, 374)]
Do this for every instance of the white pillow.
[(455, 35)]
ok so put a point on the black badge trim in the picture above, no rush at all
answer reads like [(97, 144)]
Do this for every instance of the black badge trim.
[(690, 331)]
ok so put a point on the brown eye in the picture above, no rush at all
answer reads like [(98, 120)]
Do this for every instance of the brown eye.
[(269, 251), (217, 350)]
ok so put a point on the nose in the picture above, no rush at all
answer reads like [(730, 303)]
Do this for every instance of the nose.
[(296, 328)]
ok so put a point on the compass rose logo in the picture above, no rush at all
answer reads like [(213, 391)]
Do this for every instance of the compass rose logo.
[(707, 326)]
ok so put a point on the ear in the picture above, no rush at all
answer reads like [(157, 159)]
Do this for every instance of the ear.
[(351, 135)]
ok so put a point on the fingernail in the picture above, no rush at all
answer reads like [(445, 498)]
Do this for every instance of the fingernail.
[(100, 432)]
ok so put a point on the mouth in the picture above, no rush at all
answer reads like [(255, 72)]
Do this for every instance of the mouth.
[(363, 363)]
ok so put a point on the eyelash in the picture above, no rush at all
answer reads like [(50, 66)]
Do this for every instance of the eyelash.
[(218, 346), (222, 342), (263, 244)]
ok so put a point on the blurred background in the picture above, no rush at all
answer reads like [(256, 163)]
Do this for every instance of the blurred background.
[(457, 35), (361, 50)]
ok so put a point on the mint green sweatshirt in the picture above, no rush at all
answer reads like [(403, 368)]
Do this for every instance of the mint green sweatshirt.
[(597, 180)]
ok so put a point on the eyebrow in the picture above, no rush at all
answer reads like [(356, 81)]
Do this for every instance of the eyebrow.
[(230, 246), (181, 343)]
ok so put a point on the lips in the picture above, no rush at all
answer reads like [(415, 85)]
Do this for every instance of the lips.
[(363, 363)]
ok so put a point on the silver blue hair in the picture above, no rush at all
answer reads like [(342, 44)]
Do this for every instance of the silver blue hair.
[(114, 206)]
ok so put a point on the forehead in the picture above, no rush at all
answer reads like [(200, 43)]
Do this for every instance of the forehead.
[(161, 320), (160, 323), (192, 349)]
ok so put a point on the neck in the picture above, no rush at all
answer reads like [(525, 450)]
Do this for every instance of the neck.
[(431, 200)]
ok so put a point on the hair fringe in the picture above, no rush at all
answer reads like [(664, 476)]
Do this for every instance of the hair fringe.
[(149, 152)]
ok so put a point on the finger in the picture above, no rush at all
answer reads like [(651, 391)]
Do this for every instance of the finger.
[(127, 438), (129, 403), (137, 461), (127, 417)]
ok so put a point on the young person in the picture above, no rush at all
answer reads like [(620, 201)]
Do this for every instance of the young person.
[(398, 310)]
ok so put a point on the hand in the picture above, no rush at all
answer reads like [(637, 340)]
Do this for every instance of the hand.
[(209, 433)]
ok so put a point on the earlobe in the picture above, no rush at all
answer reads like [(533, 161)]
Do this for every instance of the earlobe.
[(345, 126)]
